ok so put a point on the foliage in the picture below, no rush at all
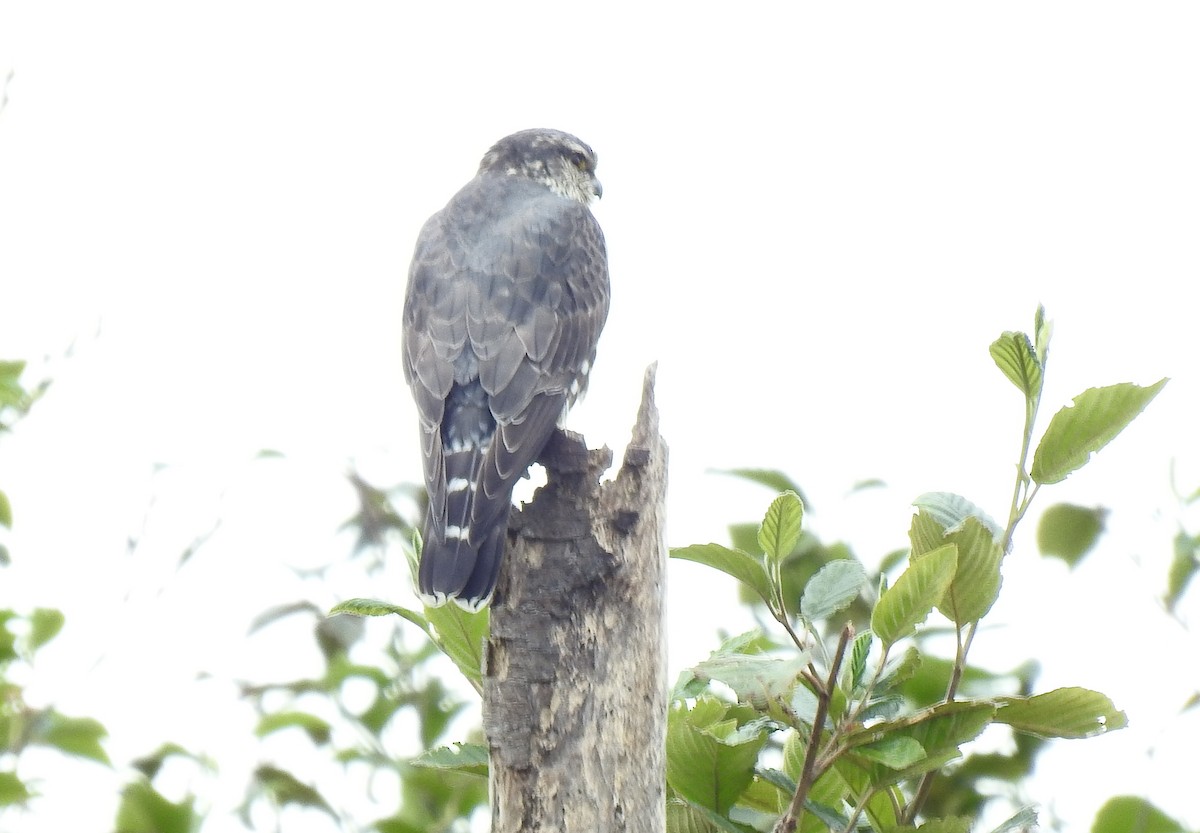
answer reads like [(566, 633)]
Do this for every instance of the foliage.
[(24, 725), (842, 689), (834, 715)]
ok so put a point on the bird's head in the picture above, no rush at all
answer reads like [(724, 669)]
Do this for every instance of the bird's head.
[(558, 160)]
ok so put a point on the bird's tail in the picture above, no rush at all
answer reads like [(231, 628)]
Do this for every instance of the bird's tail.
[(463, 549)]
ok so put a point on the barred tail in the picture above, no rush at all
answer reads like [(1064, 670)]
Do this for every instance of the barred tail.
[(461, 559)]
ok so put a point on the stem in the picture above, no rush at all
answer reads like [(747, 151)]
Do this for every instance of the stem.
[(789, 820), (1022, 497)]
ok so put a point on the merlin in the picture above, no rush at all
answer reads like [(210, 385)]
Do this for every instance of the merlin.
[(507, 294)]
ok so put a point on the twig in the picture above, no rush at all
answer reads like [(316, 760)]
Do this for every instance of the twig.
[(789, 820)]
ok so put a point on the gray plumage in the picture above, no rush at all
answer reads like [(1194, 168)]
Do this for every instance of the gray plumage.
[(507, 294)]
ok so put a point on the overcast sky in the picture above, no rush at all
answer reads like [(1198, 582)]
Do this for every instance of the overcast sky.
[(818, 219)]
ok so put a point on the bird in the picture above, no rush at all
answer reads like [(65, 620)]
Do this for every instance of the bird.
[(507, 294)]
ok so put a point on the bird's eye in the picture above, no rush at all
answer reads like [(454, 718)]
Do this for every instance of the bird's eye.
[(579, 161)]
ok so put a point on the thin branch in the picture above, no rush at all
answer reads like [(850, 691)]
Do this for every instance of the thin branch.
[(788, 822)]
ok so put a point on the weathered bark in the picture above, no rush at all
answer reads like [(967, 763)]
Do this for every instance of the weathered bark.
[(574, 686)]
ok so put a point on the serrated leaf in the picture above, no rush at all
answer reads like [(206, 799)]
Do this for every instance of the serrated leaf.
[(317, 729), (895, 752), (754, 678), (859, 652), (1132, 814), (976, 583), (1069, 532), (780, 529), (909, 601), (1063, 713), (709, 763), (1018, 361), (752, 642), (939, 730), (471, 758), (375, 607), (832, 589), (461, 636), (746, 568), (1092, 421), (951, 511)]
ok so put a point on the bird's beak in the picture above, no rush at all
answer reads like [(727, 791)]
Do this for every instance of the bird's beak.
[(597, 188)]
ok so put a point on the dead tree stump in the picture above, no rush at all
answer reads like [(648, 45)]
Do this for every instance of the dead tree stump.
[(574, 685)]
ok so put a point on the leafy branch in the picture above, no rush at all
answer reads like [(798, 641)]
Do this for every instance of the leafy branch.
[(852, 739)]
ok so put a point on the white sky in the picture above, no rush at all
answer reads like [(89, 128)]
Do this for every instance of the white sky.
[(818, 219)]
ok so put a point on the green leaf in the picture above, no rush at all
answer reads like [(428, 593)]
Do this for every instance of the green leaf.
[(315, 727), (1042, 330), (710, 760), (44, 625), (780, 528), (144, 810), (1018, 361), (847, 781), (461, 636), (976, 583), (78, 736), (13, 790), (859, 652), (1131, 814), (375, 607), (755, 678), (709, 820), (8, 639), (471, 758), (5, 511), (684, 816), (752, 642), (939, 730), (1091, 422), (1069, 532), (897, 672), (895, 752), (284, 789), (951, 511), (832, 589), (11, 392), (746, 568), (1062, 713), (909, 601), (1184, 566)]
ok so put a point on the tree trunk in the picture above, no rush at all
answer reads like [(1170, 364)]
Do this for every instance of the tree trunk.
[(574, 685)]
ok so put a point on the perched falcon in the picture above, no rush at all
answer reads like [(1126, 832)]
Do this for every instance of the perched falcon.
[(507, 294)]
